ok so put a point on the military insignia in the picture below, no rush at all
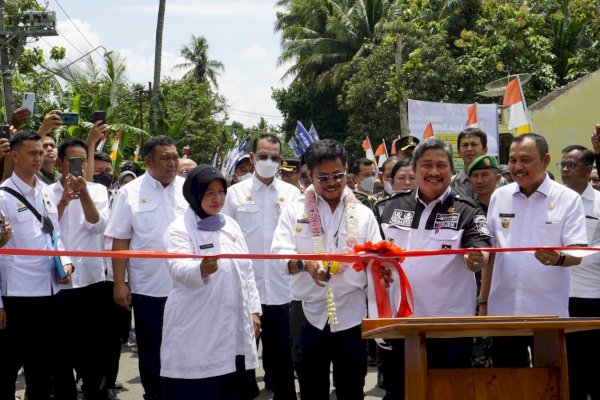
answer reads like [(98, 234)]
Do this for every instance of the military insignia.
[(45, 194), (233, 238), (284, 163), (411, 142), (248, 198), (20, 205), (281, 199), (298, 229), (551, 206), (143, 200), (487, 162), (451, 210), (505, 223)]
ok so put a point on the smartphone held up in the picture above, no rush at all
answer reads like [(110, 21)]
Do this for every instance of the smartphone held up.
[(75, 166)]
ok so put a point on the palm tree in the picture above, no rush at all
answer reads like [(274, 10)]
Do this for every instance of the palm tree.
[(160, 23), (200, 67)]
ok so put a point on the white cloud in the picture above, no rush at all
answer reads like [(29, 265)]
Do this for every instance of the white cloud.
[(253, 53), (209, 9)]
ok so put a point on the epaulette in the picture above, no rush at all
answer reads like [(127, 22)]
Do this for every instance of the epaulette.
[(464, 198), (393, 196)]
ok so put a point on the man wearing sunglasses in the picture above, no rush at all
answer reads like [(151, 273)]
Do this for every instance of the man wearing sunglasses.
[(255, 204)]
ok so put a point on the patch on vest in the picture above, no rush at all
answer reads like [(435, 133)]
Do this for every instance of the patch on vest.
[(447, 221), (481, 224), (402, 218)]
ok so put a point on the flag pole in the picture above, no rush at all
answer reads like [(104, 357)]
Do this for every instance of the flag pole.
[(524, 103)]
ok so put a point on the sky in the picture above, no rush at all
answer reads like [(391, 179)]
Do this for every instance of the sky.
[(239, 32)]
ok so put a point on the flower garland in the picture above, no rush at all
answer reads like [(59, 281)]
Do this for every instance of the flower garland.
[(351, 225)]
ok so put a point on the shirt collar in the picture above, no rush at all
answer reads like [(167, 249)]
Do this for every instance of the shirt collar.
[(440, 199), (462, 177), (150, 180), (258, 184), (588, 193), (23, 186), (544, 187)]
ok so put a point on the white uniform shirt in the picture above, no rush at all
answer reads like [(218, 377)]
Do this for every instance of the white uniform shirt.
[(208, 321), (349, 288), (552, 216), (30, 276), (585, 277), (256, 208), (78, 234), (142, 211)]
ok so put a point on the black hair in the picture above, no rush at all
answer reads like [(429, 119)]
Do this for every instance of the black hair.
[(324, 150), (587, 156), (540, 142), (100, 156), (361, 161), (269, 137), (133, 167), (392, 159), (431, 144), (18, 138), (161, 140), (71, 142), (472, 132), (405, 162)]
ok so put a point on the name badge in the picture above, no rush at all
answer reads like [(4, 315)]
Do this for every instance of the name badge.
[(206, 246), (503, 215), (302, 221)]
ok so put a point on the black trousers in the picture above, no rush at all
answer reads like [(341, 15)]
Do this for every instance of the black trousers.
[(118, 326), (277, 353), (314, 351), (35, 339), (441, 353), (87, 312), (148, 313), (583, 352)]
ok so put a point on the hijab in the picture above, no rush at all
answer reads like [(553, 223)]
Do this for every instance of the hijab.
[(195, 186)]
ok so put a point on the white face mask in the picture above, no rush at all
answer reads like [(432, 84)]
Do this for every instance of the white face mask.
[(242, 178), (267, 168), (388, 188), (367, 184)]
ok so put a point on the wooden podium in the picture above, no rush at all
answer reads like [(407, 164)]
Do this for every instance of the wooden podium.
[(547, 379)]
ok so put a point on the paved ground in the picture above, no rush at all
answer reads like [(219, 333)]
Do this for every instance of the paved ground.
[(132, 388)]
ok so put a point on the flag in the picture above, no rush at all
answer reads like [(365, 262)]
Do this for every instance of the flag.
[(303, 136), (214, 157), (394, 151), (518, 115), (366, 145), (428, 131), (234, 136), (115, 147), (382, 158), (103, 141), (380, 150), (186, 151), (472, 121), (296, 147), (313, 133), (136, 152)]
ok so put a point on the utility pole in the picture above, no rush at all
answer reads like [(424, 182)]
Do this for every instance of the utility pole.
[(34, 24)]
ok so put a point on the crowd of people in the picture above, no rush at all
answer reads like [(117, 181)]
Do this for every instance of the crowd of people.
[(198, 321)]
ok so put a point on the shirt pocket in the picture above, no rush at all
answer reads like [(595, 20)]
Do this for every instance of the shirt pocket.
[(398, 235), (144, 216), (248, 217), (446, 239), (26, 225)]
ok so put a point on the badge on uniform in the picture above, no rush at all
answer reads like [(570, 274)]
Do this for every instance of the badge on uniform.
[(248, 198), (21, 207), (143, 200), (206, 246), (298, 229), (233, 238), (551, 206), (505, 223), (446, 246)]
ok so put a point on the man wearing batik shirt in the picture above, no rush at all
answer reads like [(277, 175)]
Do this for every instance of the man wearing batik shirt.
[(338, 221), (435, 217)]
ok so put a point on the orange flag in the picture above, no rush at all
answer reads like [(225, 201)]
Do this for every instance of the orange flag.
[(380, 150), (428, 131), (366, 145), (472, 121)]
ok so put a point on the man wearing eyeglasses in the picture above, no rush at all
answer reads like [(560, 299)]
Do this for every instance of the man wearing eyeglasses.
[(256, 204), (327, 219), (534, 211), (584, 295)]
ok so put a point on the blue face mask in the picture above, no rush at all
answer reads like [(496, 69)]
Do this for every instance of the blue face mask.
[(212, 223)]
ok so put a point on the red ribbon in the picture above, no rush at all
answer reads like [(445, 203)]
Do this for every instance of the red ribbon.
[(384, 308)]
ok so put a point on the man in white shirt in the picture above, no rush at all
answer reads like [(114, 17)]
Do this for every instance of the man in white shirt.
[(34, 335), (323, 333), (575, 168), (534, 211), (82, 212), (141, 213), (256, 204)]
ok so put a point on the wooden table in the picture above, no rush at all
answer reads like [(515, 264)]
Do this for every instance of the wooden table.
[(548, 379)]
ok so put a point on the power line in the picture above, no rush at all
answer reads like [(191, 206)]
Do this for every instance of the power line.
[(73, 23), (251, 113)]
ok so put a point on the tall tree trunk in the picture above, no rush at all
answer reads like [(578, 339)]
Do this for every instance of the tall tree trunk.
[(157, 64), (402, 101)]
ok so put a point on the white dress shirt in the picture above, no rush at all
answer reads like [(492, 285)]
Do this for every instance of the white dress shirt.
[(552, 216), (349, 287), (256, 208), (142, 211), (585, 277), (208, 321), (29, 276), (79, 234)]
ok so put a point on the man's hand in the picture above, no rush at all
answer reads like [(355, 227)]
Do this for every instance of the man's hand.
[(208, 266), (20, 117), (96, 132), (474, 260), (547, 257), (2, 318), (386, 273), (256, 325), (78, 186), (51, 121), (316, 271), (68, 268), (6, 234), (122, 295), (4, 147), (596, 139)]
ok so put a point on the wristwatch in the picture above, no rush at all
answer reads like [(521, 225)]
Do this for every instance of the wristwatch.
[(482, 302), (300, 265)]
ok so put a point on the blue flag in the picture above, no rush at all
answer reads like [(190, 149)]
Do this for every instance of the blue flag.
[(294, 145), (313, 133), (303, 136), (242, 148)]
